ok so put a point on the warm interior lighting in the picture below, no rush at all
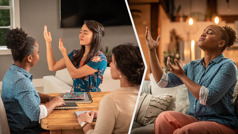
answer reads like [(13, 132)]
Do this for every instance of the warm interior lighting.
[(190, 21), (216, 20), (193, 50)]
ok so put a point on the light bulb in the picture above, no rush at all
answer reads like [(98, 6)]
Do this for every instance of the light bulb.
[(216, 20), (190, 21)]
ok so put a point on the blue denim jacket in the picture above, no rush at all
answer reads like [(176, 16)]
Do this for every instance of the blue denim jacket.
[(20, 99), (219, 78)]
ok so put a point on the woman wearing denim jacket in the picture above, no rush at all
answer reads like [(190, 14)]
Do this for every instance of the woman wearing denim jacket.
[(210, 83), (20, 98)]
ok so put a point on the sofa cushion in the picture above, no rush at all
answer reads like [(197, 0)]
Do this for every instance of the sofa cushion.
[(157, 91), (108, 84), (146, 87), (149, 107), (64, 76), (182, 100)]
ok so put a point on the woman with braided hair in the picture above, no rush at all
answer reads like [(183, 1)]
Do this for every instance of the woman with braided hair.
[(210, 83)]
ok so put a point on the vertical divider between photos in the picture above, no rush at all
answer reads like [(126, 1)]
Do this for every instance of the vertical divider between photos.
[(138, 41)]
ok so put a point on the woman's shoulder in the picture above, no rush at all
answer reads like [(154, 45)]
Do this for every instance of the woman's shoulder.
[(228, 63), (98, 57), (100, 53), (123, 92)]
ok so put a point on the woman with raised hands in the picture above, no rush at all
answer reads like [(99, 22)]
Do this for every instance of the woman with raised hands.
[(86, 65), (210, 83)]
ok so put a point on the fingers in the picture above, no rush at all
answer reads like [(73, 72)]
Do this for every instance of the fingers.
[(92, 114), (158, 39), (49, 34), (45, 28), (60, 42), (170, 67), (146, 32), (177, 63)]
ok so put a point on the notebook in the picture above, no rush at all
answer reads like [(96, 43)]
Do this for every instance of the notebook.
[(68, 105), (87, 98), (77, 113), (74, 96)]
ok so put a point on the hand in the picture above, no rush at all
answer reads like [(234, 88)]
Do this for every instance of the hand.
[(86, 117), (151, 43), (61, 47), (177, 70), (95, 114), (58, 101), (47, 36)]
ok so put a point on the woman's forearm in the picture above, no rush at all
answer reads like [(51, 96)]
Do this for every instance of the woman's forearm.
[(155, 65), (193, 87), (44, 97), (87, 127), (50, 57), (71, 68), (50, 106)]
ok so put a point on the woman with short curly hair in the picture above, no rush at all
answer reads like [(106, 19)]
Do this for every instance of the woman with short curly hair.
[(20, 98), (116, 108), (210, 83)]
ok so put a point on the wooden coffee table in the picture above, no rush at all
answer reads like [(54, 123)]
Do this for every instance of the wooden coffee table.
[(65, 121)]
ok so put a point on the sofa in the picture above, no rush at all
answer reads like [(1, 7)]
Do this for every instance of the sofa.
[(175, 99), (62, 82)]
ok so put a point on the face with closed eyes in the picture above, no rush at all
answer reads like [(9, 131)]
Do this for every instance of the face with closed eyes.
[(211, 40), (85, 35)]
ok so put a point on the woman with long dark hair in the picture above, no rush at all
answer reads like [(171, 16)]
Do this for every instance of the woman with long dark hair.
[(116, 108), (210, 83), (20, 98), (87, 65)]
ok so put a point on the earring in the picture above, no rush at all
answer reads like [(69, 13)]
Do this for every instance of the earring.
[(119, 75)]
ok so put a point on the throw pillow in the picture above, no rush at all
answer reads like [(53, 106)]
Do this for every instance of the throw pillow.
[(146, 87), (149, 107), (64, 76), (182, 100)]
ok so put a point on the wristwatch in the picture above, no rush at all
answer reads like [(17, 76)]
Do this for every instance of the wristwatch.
[(83, 124)]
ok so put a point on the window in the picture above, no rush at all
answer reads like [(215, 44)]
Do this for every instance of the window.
[(9, 18)]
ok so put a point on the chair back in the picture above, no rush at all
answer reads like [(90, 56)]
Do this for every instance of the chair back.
[(4, 128)]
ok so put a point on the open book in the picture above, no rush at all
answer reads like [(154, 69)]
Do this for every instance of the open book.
[(85, 95), (74, 96), (68, 105)]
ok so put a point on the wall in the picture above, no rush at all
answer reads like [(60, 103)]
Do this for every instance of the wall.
[(34, 14), (200, 6), (141, 22)]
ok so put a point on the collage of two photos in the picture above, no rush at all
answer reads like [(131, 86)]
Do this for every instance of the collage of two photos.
[(123, 66), (190, 48), (69, 67)]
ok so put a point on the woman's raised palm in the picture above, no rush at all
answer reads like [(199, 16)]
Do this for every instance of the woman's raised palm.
[(151, 43), (47, 35)]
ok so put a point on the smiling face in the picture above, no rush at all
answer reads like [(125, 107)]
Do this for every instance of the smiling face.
[(85, 36), (210, 40)]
